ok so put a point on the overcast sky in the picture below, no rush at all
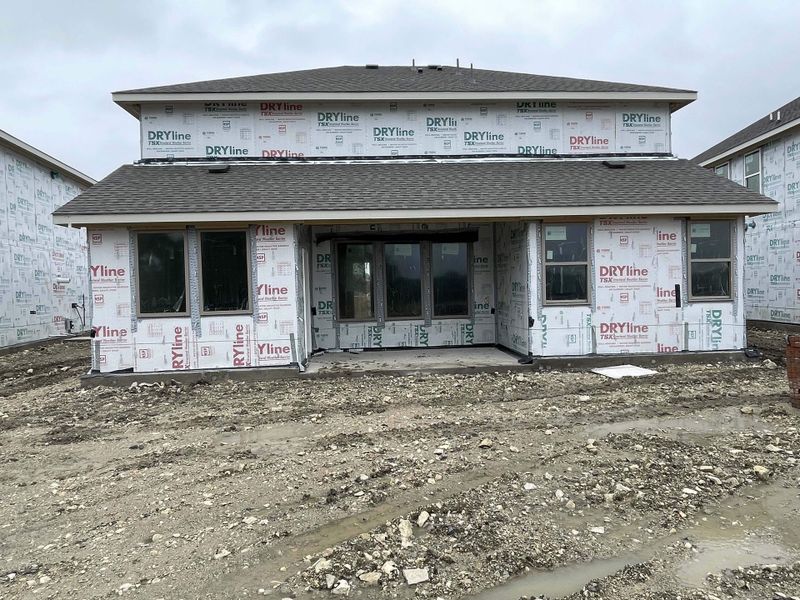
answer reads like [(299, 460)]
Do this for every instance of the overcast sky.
[(62, 59)]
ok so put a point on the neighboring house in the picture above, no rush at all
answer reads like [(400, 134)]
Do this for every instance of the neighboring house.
[(44, 282), (384, 207), (765, 158)]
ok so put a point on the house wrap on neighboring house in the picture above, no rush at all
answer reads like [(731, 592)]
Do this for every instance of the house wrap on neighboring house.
[(43, 269), (383, 207), (765, 157)]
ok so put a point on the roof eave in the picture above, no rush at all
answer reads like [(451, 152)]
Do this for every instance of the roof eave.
[(132, 102), (751, 143), (409, 215), (37, 155)]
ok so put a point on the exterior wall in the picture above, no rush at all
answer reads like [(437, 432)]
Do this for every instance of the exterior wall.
[(512, 280), (772, 248), (329, 129), (632, 308), (328, 333), (267, 337), (43, 268)]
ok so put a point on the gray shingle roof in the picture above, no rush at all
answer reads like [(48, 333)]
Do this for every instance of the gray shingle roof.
[(789, 112), (363, 186), (398, 79)]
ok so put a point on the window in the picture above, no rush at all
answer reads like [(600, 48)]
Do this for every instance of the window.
[(161, 270), (450, 272), (403, 281), (225, 270), (710, 259), (566, 263), (419, 279), (752, 171), (354, 278), (723, 170)]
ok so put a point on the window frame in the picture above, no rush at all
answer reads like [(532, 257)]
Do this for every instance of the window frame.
[(380, 290), (727, 174), (729, 260), (374, 281), (212, 313), (588, 263), (187, 292), (756, 174), (382, 256), (470, 286)]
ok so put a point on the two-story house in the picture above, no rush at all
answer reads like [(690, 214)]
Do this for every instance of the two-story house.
[(44, 279), (765, 157), (404, 206)]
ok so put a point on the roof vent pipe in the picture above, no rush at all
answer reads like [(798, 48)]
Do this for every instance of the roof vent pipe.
[(371, 66), (778, 118), (770, 116)]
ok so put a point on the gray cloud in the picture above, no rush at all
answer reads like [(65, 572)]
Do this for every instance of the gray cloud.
[(61, 59)]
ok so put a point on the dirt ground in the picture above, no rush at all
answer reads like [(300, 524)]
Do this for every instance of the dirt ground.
[(685, 484)]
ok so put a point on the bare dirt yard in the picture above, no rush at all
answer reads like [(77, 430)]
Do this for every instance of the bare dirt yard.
[(685, 484)]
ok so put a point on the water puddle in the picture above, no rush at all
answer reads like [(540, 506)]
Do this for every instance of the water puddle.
[(715, 556), (756, 531), (558, 582)]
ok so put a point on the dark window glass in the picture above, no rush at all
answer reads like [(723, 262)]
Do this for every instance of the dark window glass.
[(752, 171), (566, 258), (162, 272), (224, 270), (354, 275), (403, 280), (711, 239), (565, 243), (711, 279), (566, 283), (450, 270), (723, 170), (754, 183), (710, 258)]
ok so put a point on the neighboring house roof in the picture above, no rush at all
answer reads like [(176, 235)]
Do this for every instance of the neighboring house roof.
[(373, 78), (367, 190), (755, 133), (17, 145)]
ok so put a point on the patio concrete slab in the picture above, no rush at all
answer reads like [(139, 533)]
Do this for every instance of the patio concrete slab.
[(416, 360)]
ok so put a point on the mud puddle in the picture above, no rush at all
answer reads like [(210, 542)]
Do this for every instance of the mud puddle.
[(758, 530)]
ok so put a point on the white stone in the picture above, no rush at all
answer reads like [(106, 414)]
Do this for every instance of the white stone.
[(342, 588), (221, 553), (761, 471), (423, 518), (323, 564), (370, 578), (330, 580), (250, 520), (406, 532), (389, 567), (485, 443), (529, 486), (415, 576), (597, 529), (772, 448), (690, 491)]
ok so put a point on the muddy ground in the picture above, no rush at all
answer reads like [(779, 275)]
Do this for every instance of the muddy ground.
[(685, 484)]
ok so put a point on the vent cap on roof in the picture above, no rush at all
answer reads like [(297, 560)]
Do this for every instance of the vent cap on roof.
[(219, 169), (371, 66), (614, 164)]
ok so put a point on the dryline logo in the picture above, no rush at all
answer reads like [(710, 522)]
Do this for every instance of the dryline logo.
[(612, 273), (240, 346), (480, 138), (638, 119), (106, 272), (664, 349), (280, 108), (271, 232), (104, 331), (665, 293), (714, 321), (536, 150), (270, 350), (284, 153), (334, 119), (226, 151), (423, 337), (390, 134), (753, 292), (527, 107), (376, 336), (610, 331), (580, 142), (782, 315), (178, 349), (168, 137), (779, 279), (440, 124), (272, 291), (323, 263)]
